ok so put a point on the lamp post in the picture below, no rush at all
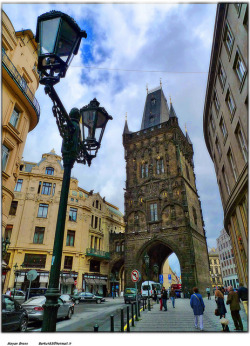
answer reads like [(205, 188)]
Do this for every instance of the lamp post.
[(146, 260), (59, 37), (156, 271)]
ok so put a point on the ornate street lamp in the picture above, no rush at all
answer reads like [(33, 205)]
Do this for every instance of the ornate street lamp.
[(146, 260), (59, 38), (156, 271)]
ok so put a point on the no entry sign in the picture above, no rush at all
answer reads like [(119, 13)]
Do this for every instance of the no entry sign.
[(135, 275)]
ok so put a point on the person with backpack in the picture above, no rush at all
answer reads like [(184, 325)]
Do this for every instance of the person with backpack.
[(198, 306)]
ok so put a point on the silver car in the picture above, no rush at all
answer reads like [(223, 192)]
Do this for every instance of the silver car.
[(34, 308), (19, 296)]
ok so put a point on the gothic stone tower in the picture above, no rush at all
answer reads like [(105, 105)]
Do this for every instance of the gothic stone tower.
[(162, 207)]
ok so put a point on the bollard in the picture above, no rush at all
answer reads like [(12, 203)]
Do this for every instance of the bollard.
[(128, 326), (139, 309), (122, 321), (149, 309), (136, 311), (132, 313), (96, 328), (112, 323)]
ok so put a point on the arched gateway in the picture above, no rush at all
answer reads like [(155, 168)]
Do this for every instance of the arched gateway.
[(162, 207)]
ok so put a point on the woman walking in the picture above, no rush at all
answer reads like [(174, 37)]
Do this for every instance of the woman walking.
[(198, 306), (219, 298)]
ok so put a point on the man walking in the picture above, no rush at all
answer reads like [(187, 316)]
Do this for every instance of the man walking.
[(198, 306), (208, 292), (172, 296), (164, 297), (234, 302)]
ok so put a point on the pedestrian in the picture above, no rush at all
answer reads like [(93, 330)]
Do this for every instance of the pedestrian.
[(243, 295), (161, 302), (234, 302), (164, 297), (8, 292), (208, 293), (219, 298), (155, 295), (172, 296), (198, 306)]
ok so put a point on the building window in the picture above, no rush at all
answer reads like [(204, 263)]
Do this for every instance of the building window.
[(5, 156), (225, 180), (43, 210), (222, 75), (159, 166), (46, 190), (117, 247), (212, 123), (72, 214), (100, 224), (39, 235), (229, 39), (14, 117), (194, 215), (122, 246), (218, 147), (34, 261), (223, 129), (18, 186), (49, 171), (232, 163), (153, 212), (216, 102), (70, 241), (96, 222), (94, 266), (230, 103), (239, 67), (242, 142), (54, 188), (13, 208), (144, 170), (68, 262), (8, 231), (39, 187)]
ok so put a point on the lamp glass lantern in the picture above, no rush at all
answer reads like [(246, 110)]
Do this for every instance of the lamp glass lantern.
[(146, 259), (58, 37), (93, 122)]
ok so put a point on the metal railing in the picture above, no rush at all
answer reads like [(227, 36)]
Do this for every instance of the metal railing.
[(11, 69), (97, 253)]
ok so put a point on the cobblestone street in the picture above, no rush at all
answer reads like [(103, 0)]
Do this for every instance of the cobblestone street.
[(181, 319)]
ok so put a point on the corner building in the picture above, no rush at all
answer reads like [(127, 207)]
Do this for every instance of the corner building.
[(225, 123), (162, 207)]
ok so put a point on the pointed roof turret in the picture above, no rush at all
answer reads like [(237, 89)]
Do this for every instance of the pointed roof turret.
[(156, 109), (172, 113), (187, 136), (126, 130)]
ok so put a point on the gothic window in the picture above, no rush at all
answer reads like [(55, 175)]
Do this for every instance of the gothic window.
[(159, 166), (144, 170), (153, 212)]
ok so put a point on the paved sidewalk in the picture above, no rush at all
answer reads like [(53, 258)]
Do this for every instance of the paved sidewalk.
[(181, 319)]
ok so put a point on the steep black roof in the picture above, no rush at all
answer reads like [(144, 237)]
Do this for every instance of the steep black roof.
[(172, 113), (156, 109)]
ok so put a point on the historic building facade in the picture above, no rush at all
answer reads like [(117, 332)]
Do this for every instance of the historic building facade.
[(20, 109), (32, 222), (162, 207), (225, 123), (215, 269), (227, 261)]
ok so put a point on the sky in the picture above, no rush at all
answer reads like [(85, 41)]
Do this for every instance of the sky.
[(128, 47)]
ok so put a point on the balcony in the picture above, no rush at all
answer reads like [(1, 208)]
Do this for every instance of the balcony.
[(12, 71), (97, 253)]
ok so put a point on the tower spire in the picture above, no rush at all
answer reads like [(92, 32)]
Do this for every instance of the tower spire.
[(126, 130)]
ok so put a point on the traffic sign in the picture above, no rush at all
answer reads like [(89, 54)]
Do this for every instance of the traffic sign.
[(135, 275), (75, 282), (169, 278), (161, 278)]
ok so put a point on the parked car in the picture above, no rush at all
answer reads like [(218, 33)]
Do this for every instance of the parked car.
[(130, 295), (147, 288), (19, 295), (14, 317), (34, 308), (35, 292), (68, 299), (90, 297)]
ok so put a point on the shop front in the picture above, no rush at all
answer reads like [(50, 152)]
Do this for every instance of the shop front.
[(96, 284), (67, 282)]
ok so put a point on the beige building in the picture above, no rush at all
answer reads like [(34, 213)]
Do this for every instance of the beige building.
[(32, 224), (167, 270), (215, 270), (225, 123), (20, 109)]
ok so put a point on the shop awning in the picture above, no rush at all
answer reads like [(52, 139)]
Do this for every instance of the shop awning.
[(90, 281)]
